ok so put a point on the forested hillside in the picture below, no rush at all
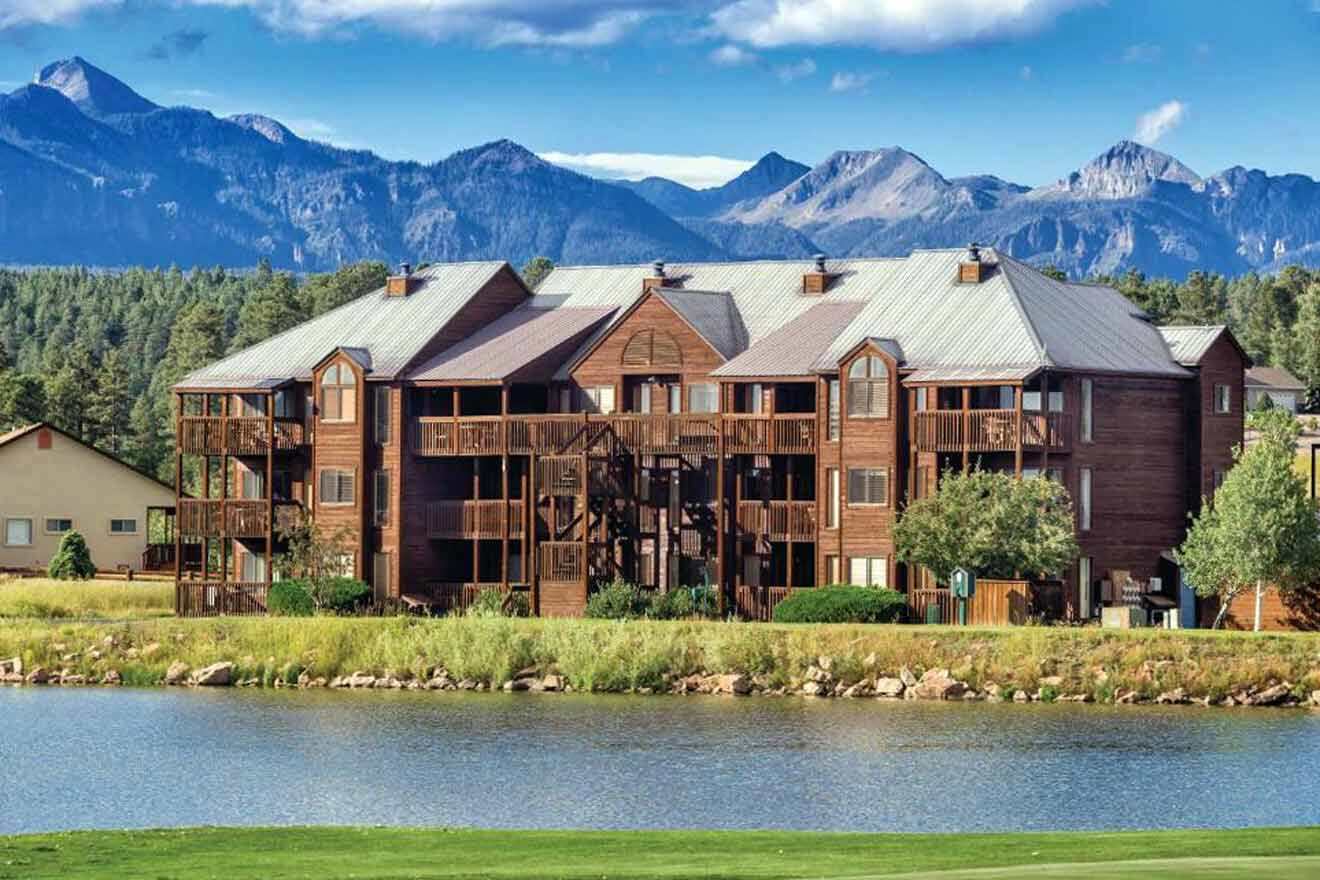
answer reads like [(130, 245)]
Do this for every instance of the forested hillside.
[(96, 353)]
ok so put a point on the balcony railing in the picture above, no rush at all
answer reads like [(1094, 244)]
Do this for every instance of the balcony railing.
[(212, 598), (758, 603), (778, 520), (222, 518), (238, 435), (473, 519), (696, 433), (990, 430), (562, 560)]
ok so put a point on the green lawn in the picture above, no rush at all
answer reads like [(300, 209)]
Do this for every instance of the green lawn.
[(377, 853)]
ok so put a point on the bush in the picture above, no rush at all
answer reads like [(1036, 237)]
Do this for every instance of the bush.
[(682, 603), (841, 605), (491, 603), (290, 599), (344, 595), (72, 561), (617, 600)]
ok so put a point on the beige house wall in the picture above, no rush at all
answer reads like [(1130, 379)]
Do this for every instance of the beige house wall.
[(72, 481)]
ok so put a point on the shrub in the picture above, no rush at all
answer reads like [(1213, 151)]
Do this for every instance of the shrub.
[(682, 603), (494, 602), (72, 561), (344, 595), (617, 600), (841, 605), (289, 599)]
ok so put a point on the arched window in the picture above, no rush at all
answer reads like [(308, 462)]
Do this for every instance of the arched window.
[(338, 394), (652, 348), (868, 388)]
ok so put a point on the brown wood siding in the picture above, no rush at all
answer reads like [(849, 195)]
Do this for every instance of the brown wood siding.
[(1299, 610), (342, 445), (1220, 432), (392, 458)]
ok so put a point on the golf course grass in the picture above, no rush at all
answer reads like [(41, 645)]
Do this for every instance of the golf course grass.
[(378, 853)]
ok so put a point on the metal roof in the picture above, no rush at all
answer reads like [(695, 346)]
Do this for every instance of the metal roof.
[(1274, 377), (510, 343), (711, 313), (1000, 373), (793, 349), (391, 330), (1189, 343)]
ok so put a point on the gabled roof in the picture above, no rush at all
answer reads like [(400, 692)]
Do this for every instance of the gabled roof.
[(794, 348), (711, 314), (1274, 377), (389, 330), (11, 436), (510, 344), (1189, 343)]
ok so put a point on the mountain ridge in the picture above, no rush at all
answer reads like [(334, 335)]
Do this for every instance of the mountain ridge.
[(92, 172)]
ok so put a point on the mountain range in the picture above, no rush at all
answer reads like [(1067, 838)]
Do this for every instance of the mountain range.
[(93, 173)]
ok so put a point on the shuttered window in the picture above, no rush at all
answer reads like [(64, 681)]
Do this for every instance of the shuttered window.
[(336, 486), (1088, 391), (868, 388), (834, 410), (868, 485), (652, 348), (1084, 508), (380, 498), (382, 407)]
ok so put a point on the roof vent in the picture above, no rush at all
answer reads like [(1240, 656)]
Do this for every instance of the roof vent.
[(817, 281), (971, 270), (402, 283), (657, 278)]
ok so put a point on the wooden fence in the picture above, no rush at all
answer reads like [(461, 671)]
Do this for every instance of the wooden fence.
[(995, 603)]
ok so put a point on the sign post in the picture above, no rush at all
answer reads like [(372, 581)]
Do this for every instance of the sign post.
[(962, 584)]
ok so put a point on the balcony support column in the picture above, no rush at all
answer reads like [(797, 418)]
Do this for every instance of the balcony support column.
[(1045, 422), (1017, 432), (178, 494), (966, 426), (788, 515), (270, 486), (719, 519), (504, 487), (225, 465)]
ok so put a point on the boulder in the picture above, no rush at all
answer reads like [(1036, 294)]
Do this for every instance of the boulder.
[(1021, 696), (994, 693), (825, 663), (905, 675), (215, 675), (863, 688), (359, 679), (1272, 696), (1126, 698), (14, 665), (735, 684), (467, 684), (1051, 681), (889, 688), (177, 672), (518, 684), (815, 689), (552, 683), (527, 672), (817, 673), (938, 684), (112, 677), (38, 676), (1315, 698), (1175, 697), (73, 678)]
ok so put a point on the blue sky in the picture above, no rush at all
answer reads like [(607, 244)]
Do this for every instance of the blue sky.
[(1027, 89)]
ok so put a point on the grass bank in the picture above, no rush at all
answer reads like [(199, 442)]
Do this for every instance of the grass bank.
[(607, 656), (283, 854), (94, 599)]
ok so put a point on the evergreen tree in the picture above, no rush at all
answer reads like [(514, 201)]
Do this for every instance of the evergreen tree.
[(1306, 343), (110, 408), (536, 269), (22, 400), (322, 293), (72, 560), (272, 309)]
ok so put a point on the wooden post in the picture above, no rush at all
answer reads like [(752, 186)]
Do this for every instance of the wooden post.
[(178, 498), (504, 488), (788, 517), (476, 519), (270, 486), (966, 426), (1017, 425), (719, 517), (531, 564), (1045, 422)]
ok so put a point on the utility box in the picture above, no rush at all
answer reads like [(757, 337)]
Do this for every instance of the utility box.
[(1122, 617)]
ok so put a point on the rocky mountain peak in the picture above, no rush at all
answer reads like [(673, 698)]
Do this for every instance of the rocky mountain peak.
[(270, 129), (96, 92), (1126, 170)]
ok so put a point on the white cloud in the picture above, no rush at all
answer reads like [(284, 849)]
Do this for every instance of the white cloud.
[(1026, 72), (1142, 53), (899, 25), (732, 56), (1155, 124), (797, 70), (850, 82), (695, 171), (24, 12), (194, 94)]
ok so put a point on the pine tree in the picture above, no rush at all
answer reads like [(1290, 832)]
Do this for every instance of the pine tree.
[(272, 309), (538, 267), (110, 408), (321, 293), (1306, 343), (22, 400)]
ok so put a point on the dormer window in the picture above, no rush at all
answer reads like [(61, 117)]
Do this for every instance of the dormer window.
[(868, 388), (338, 394)]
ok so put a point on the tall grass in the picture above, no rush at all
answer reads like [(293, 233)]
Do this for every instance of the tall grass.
[(103, 600), (619, 656)]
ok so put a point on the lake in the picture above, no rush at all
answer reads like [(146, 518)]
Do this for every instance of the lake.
[(122, 758)]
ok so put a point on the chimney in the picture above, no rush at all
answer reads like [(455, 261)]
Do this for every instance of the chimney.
[(971, 270), (817, 281), (400, 284), (657, 278)]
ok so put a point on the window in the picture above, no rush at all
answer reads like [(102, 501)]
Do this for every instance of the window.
[(644, 397), (18, 532), (346, 565), (834, 410), (868, 571), (336, 486), (1084, 602), (755, 398), (868, 486), (1087, 391), (565, 399), (380, 502), (1055, 474), (868, 388), (599, 399), (832, 510), (58, 525), (675, 398), (1084, 509), (253, 484), (1216, 478), (338, 394), (703, 398), (380, 574), (254, 567), (1031, 401), (123, 527), (382, 407), (923, 399), (833, 571), (1223, 399), (251, 406), (284, 404)]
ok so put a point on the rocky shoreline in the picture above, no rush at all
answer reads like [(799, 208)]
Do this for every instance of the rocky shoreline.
[(820, 680)]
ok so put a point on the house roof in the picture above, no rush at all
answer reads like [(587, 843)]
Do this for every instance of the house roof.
[(387, 332), (11, 436), (1189, 343), (1274, 377), (794, 348), (511, 343), (711, 313)]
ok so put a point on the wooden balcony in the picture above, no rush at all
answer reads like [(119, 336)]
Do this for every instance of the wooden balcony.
[(990, 430), (695, 433), (758, 603), (474, 519), (562, 561), (238, 435), (778, 520), (217, 518), (213, 598)]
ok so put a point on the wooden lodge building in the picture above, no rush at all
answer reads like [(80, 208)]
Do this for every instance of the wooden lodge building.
[(754, 425)]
